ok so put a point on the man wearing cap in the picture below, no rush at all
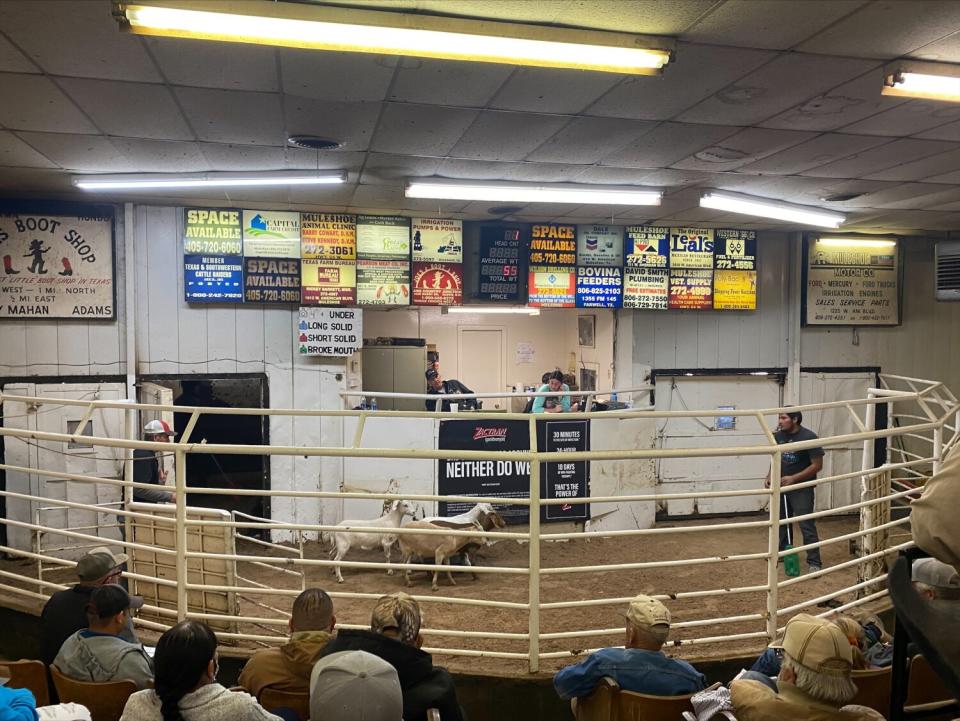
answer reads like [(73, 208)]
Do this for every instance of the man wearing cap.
[(640, 666), (147, 467), (66, 611), (935, 580), (437, 386), (98, 653), (355, 686), (814, 681)]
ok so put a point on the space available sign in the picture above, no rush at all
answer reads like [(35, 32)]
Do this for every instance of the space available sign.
[(553, 245), (213, 278), (646, 288), (499, 263), (330, 332), (271, 280), (212, 231), (438, 240), (565, 479), (691, 248), (735, 249), (56, 266), (330, 236), (600, 245), (328, 282), (853, 284), (383, 282), (599, 287), (437, 284), (383, 237), (735, 290), (552, 287), (691, 289), (647, 246), (271, 234)]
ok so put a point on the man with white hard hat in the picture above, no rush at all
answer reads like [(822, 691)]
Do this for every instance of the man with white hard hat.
[(147, 467)]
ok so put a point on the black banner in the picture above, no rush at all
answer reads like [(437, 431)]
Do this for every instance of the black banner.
[(501, 265), (564, 479)]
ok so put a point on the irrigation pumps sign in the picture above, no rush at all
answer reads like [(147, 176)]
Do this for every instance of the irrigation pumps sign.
[(330, 332)]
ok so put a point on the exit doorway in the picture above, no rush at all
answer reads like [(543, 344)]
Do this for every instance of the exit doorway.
[(481, 362)]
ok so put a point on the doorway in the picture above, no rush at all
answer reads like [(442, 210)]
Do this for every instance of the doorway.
[(480, 366)]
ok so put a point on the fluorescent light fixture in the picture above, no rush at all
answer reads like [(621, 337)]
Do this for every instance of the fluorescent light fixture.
[(856, 243), (529, 193), (922, 85), (369, 31), (760, 207), (205, 180), (492, 309)]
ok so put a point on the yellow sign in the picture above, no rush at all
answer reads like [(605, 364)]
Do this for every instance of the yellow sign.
[(735, 290)]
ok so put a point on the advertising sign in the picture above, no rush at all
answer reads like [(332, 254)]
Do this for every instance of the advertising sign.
[(691, 248), (735, 290), (499, 263), (599, 287), (383, 237), (600, 245), (56, 267), (212, 231), (646, 288), (213, 278), (383, 282), (735, 249), (552, 287), (852, 284), (271, 280), (437, 239), (437, 284), (328, 282), (691, 290), (553, 245), (565, 479), (330, 236), (647, 246), (330, 332), (271, 234)]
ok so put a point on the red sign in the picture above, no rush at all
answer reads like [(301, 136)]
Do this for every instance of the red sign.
[(691, 289), (437, 284)]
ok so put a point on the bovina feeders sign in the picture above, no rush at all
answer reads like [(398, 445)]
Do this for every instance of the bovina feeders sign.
[(56, 267)]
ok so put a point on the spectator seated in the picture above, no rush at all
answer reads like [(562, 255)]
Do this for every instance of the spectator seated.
[(355, 686)]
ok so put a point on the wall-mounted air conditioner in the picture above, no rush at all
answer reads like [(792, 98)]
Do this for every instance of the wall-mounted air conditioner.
[(948, 270)]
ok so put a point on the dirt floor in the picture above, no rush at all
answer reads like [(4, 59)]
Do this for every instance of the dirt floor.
[(572, 586)]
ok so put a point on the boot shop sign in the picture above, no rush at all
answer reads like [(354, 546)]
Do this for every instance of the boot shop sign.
[(56, 266)]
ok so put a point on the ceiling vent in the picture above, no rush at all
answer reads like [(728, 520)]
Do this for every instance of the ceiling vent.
[(948, 270)]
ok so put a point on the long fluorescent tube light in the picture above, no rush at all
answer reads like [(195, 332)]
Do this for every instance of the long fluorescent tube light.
[(491, 310), (559, 193), (748, 205), (208, 180), (856, 243), (370, 31), (922, 85)]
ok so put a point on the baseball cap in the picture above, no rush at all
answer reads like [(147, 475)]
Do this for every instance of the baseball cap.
[(98, 563), (647, 611), (934, 573), (111, 599), (817, 644), (158, 428), (355, 686), (399, 612), (431, 374)]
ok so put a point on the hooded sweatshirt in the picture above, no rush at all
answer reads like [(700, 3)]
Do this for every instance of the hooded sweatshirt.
[(287, 667), (17, 705), (91, 656), (211, 702)]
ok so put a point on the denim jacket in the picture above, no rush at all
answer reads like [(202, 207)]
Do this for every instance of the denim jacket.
[(649, 672)]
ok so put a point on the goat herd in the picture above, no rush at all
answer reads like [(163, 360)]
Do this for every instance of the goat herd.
[(438, 546)]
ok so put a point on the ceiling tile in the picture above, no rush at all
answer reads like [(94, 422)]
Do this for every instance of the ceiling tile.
[(778, 85), (227, 157), (793, 188), (932, 165), (880, 158), (434, 208), (162, 156), (305, 159), (553, 90), (667, 144), (40, 105), (322, 195), (950, 131), (652, 17), (506, 136), (895, 195), (636, 176), (384, 168), (134, 110), (82, 153), (39, 180), (13, 61), (232, 116), (420, 129), (490, 170), (742, 148), (697, 72), (586, 140), (378, 196), (945, 50), (446, 82), (335, 76), (907, 118), (543, 11), (225, 66), (15, 152), (76, 38), (818, 151), (887, 29), (349, 123), (941, 200)]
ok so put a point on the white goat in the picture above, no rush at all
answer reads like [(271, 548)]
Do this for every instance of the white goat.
[(344, 540), (471, 516)]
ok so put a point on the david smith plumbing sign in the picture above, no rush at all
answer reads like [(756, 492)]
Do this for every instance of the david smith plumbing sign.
[(56, 267)]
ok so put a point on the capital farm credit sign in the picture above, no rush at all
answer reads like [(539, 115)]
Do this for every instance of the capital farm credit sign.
[(56, 266)]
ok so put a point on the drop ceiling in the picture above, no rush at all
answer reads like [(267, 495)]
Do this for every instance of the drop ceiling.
[(777, 98)]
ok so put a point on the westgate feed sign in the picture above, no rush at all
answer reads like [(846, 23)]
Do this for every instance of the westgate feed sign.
[(56, 266), (330, 332)]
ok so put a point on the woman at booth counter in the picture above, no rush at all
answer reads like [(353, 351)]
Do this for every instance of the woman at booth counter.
[(545, 404)]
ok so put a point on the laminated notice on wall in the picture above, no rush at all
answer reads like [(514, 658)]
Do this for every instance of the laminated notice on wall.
[(271, 234), (213, 278), (553, 245), (647, 245), (854, 283), (646, 288), (691, 247), (599, 287), (330, 236), (552, 287), (691, 290), (735, 249), (437, 239), (271, 280), (328, 282), (383, 237), (212, 231), (437, 284), (383, 282), (735, 290), (600, 245)]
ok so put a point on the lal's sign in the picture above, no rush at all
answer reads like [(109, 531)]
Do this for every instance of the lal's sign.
[(331, 332), (56, 266)]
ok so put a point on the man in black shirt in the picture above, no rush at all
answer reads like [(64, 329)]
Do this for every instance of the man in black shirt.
[(438, 386), (147, 467), (797, 467)]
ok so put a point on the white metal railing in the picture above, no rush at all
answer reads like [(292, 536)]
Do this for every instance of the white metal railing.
[(918, 414)]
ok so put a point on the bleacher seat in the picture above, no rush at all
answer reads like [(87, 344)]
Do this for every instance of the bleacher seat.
[(31, 675), (104, 700), (608, 702)]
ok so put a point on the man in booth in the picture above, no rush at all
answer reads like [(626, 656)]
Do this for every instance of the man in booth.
[(437, 386)]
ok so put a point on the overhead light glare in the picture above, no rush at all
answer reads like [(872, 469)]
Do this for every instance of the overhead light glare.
[(856, 243), (748, 205), (493, 310), (499, 192), (922, 85), (209, 180), (351, 30)]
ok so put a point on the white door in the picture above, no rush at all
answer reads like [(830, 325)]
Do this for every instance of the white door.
[(21, 453), (481, 362), (686, 475)]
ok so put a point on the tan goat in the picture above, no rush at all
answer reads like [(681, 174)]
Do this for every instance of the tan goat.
[(436, 545)]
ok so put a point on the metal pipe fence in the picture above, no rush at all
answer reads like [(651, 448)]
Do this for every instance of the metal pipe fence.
[(510, 620)]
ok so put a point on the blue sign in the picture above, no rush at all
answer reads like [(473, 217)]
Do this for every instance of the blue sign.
[(213, 279), (599, 287)]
